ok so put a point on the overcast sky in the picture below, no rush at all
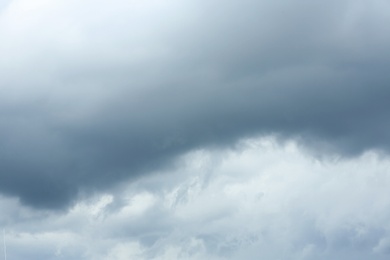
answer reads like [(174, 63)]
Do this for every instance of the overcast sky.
[(197, 129)]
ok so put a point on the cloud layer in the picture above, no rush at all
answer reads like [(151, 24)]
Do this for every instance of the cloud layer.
[(94, 93), (262, 200), (195, 129)]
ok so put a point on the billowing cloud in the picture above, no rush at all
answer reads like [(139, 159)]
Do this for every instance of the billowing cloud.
[(94, 93), (261, 200)]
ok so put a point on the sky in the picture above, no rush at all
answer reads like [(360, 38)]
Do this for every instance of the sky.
[(167, 129)]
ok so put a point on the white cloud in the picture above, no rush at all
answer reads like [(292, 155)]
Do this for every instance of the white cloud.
[(260, 200)]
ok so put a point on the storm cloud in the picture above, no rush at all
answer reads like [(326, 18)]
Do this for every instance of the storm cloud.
[(94, 93)]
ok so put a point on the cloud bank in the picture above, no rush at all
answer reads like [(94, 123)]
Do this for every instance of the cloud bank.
[(94, 93), (195, 129), (260, 201)]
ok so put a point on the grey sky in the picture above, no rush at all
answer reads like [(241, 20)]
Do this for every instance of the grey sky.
[(91, 98), (96, 94)]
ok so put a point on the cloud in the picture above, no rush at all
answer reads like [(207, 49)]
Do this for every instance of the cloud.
[(96, 93), (262, 201)]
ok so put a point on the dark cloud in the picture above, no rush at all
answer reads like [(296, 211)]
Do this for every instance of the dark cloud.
[(108, 96)]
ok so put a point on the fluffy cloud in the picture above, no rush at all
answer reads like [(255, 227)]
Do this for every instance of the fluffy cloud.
[(262, 200)]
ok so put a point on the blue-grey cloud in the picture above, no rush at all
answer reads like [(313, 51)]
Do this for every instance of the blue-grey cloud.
[(91, 98)]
